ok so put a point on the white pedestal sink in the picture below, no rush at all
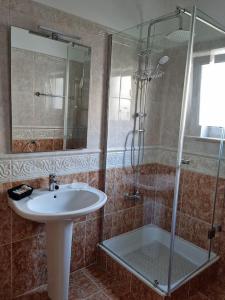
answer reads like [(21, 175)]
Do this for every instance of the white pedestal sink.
[(57, 209)]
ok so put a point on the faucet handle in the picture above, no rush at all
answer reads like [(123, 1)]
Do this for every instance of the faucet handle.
[(53, 182), (52, 177)]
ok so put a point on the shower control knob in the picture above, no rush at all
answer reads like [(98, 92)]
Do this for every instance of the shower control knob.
[(140, 115), (185, 162)]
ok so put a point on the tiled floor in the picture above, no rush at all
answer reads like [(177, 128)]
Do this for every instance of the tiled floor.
[(212, 292), (93, 283)]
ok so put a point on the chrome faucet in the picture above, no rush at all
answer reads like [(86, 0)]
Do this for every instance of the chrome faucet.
[(53, 182)]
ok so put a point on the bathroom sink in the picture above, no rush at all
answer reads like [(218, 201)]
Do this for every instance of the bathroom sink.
[(64, 204), (57, 209)]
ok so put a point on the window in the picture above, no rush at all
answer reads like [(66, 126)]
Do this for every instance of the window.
[(121, 98), (212, 95), (207, 110)]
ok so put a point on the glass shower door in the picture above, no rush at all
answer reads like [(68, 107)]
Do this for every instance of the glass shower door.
[(200, 155), (158, 217), (137, 230)]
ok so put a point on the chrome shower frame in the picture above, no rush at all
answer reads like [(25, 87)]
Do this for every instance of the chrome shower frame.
[(179, 161), (142, 86), (141, 114), (144, 83), (142, 89)]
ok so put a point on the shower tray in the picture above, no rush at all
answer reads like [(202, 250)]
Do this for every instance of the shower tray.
[(145, 252)]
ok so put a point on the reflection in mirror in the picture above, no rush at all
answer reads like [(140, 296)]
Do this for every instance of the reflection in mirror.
[(50, 93)]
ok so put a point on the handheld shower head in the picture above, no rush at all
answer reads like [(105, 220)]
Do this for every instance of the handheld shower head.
[(153, 73), (163, 60)]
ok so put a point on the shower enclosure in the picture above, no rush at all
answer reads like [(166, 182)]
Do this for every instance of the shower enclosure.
[(164, 149)]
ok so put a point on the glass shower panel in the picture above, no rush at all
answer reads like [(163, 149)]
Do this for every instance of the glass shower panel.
[(199, 168), (119, 211), (212, 122), (170, 90), (146, 84)]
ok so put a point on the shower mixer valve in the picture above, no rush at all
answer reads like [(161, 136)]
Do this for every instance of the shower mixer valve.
[(140, 115)]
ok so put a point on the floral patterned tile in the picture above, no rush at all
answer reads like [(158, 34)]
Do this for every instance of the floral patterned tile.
[(5, 274), (139, 216), (5, 215), (118, 271), (107, 227), (78, 246), (80, 177), (197, 195), (29, 264), (96, 179), (93, 232), (110, 204), (123, 221), (22, 228)]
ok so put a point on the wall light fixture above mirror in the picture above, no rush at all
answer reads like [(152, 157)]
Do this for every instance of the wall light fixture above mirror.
[(50, 79)]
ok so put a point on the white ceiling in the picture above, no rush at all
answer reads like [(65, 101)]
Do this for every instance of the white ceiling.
[(117, 14), (121, 14)]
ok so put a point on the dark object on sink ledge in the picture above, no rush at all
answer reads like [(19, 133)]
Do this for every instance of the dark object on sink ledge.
[(19, 192)]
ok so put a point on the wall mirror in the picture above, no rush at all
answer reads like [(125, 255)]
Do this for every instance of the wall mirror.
[(49, 92)]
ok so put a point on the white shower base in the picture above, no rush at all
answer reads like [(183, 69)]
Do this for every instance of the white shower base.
[(145, 252)]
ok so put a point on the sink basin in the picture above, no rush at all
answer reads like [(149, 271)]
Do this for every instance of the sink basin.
[(64, 204), (58, 209)]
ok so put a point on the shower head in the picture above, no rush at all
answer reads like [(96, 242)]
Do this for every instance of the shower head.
[(157, 73), (163, 60), (153, 73), (179, 36)]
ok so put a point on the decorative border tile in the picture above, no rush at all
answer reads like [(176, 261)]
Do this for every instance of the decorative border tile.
[(95, 161), (23, 133), (16, 167), (199, 162), (22, 168), (5, 169)]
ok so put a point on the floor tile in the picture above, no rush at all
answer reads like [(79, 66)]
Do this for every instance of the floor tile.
[(94, 283), (81, 287), (98, 296), (104, 281), (37, 294), (29, 263), (199, 296), (215, 292)]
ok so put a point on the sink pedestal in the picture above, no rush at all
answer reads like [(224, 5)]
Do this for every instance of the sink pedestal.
[(57, 210), (59, 242)]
